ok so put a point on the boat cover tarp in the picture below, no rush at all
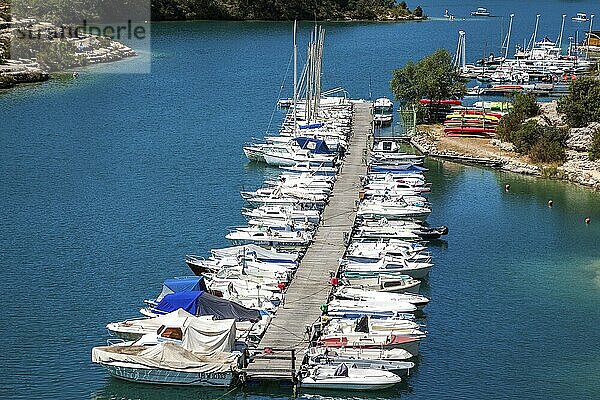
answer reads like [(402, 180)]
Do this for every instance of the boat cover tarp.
[(146, 325), (208, 336), (203, 303), (165, 355), (315, 146), (175, 285)]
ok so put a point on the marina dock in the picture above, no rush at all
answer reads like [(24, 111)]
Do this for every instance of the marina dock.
[(281, 348)]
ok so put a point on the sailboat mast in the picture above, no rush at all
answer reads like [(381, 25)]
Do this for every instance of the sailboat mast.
[(508, 36), (318, 69), (562, 29), (308, 98), (295, 78), (589, 36), (537, 24)]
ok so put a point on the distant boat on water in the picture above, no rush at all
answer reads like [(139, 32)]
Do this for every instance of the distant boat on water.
[(580, 17), (481, 12)]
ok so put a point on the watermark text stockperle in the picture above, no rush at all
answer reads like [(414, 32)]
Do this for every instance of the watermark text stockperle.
[(61, 35), (126, 31)]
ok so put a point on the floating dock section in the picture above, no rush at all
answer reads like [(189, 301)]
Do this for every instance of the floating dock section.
[(281, 350)]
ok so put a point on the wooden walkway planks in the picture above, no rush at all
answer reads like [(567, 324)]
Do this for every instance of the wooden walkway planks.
[(310, 286)]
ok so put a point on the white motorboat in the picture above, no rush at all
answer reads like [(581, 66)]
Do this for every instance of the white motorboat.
[(481, 12), (259, 252), (281, 225), (365, 324), (244, 265), (580, 17), (391, 210), (392, 247), (270, 237), (351, 307), (399, 368), (362, 353), (368, 341), (383, 282), (316, 202), (304, 167), (387, 264), (357, 294), (135, 328), (283, 212), (343, 378), (383, 109)]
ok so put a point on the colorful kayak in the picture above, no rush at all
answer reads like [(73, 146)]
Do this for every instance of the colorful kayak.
[(449, 102), (474, 116)]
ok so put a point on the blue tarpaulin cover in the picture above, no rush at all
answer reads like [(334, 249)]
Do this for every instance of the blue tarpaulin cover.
[(185, 300), (195, 283), (316, 146), (312, 126), (202, 303)]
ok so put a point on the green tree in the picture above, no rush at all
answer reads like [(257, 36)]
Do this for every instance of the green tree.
[(547, 151), (582, 105), (433, 77), (527, 136), (418, 12), (525, 104), (508, 125)]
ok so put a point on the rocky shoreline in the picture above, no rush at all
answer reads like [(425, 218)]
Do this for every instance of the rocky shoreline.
[(86, 50), (578, 168)]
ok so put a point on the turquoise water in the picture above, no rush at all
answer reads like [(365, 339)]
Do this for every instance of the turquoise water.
[(108, 180)]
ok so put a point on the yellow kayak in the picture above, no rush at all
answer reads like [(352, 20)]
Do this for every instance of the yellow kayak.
[(473, 116)]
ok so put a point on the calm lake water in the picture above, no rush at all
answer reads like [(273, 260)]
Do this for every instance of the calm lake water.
[(108, 180)]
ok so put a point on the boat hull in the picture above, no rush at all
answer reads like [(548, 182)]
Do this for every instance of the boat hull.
[(168, 377), (310, 383)]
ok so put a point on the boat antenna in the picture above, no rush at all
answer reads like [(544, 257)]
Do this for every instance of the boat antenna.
[(295, 77), (562, 28)]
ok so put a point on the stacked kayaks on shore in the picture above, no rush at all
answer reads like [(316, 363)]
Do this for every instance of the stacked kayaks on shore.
[(471, 122), (373, 317)]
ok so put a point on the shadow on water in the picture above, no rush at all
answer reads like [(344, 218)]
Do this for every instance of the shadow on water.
[(118, 389)]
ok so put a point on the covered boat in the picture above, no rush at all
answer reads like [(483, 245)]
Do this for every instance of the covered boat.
[(176, 285), (203, 303), (197, 353)]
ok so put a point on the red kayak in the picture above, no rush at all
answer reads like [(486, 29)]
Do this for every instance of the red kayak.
[(477, 112), (469, 130), (476, 122), (448, 102)]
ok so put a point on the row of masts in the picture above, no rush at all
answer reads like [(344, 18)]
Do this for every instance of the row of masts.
[(310, 81), (460, 55)]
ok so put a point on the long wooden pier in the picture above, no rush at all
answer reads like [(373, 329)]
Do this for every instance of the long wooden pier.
[(281, 348)]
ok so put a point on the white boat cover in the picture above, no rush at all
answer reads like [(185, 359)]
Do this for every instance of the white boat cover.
[(152, 324), (208, 336), (165, 355)]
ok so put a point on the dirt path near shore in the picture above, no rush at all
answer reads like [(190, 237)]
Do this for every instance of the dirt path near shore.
[(578, 168), (468, 146)]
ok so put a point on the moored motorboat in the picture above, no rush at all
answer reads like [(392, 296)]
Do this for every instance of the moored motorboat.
[(342, 377)]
